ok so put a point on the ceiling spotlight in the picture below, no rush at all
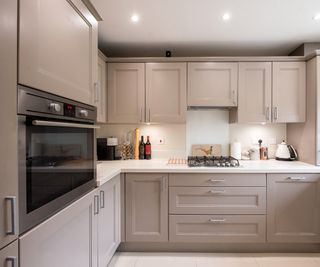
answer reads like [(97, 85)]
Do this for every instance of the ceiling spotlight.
[(317, 17), (135, 18), (226, 16)]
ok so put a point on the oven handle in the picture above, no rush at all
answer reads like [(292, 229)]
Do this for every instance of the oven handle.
[(64, 124)]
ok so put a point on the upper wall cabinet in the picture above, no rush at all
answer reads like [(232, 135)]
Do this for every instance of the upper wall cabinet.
[(166, 89), (289, 91), (126, 92), (254, 94), (58, 48), (101, 91), (212, 84)]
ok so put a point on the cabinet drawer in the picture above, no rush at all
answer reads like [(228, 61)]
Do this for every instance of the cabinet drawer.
[(217, 228), (217, 179), (217, 200)]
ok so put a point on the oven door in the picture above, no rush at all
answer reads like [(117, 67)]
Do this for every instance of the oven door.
[(56, 166)]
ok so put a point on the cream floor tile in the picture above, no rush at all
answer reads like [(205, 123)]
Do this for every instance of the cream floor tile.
[(123, 260), (287, 261), (226, 261)]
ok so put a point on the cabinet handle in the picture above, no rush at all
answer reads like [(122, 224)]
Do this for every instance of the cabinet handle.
[(149, 115), (268, 113), (13, 204), (12, 261), (275, 113), (217, 220), (234, 97), (217, 191), (96, 205), (102, 202), (217, 180), (140, 114), (297, 178)]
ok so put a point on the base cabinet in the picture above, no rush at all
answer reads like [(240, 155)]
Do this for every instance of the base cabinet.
[(146, 207), (9, 255), (109, 227), (293, 208), (66, 239)]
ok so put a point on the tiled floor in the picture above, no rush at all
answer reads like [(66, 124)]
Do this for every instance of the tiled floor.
[(214, 260)]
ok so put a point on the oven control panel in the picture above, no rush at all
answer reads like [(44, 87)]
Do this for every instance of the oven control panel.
[(69, 110)]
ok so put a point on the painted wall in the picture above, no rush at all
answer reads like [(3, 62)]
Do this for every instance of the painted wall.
[(202, 127)]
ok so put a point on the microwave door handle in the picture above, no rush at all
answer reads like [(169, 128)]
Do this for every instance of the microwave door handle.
[(64, 124)]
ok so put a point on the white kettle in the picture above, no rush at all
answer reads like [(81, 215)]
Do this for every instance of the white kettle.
[(286, 152)]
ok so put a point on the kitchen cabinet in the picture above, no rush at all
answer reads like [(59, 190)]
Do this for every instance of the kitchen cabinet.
[(101, 91), (58, 49), (212, 84), (66, 239), (254, 92), (109, 227), (146, 207), (166, 89), (9, 255), (293, 213), (9, 123), (126, 92), (289, 91)]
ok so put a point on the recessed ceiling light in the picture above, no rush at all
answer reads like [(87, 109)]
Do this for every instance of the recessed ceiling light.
[(226, 16), (135, 18), (317, 17)]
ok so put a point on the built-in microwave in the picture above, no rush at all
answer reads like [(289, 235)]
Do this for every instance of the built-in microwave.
[(56, 154)]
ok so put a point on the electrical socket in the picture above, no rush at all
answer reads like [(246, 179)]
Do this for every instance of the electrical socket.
[(161, 141)]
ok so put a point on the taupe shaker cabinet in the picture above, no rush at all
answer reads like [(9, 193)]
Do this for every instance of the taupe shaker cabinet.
[(151, 92), (101, 91), (58, 48), (293, 210), (212, 84), (9, 255), (146, 213)]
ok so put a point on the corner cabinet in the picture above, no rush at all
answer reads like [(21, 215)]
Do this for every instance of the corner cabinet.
[(101, 91), (109, 227), (58, 48), (66, 239), (146, 207), (126, 92), (166, 92), (293, 208), (212, 84)]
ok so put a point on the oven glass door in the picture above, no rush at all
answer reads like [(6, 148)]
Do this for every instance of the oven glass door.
[(58, 167)]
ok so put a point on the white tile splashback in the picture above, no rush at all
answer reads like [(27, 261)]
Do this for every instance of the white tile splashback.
[(202, 127)]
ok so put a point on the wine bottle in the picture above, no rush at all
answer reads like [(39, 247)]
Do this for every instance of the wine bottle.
[(141, 148), (147, 149)]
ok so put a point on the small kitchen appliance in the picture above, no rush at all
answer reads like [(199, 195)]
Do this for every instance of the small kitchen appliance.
[(203, 161), (286, 152)]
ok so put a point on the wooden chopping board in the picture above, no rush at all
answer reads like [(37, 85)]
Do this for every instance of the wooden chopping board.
[(206, 150)]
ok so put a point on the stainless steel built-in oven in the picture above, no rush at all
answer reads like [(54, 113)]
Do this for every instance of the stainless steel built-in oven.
[(56, 154)]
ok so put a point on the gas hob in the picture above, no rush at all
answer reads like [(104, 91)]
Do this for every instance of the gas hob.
[(211, 161)]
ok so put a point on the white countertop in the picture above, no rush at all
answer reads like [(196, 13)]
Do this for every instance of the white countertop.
[(106, 170)]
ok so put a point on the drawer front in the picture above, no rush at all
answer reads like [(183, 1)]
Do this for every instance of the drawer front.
[(217, 228), (216, 179), (217, 200)]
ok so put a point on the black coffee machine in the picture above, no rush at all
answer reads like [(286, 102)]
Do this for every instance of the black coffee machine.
[(106, 148)]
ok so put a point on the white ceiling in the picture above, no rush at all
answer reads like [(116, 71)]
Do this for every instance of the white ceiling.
[(196, 28)]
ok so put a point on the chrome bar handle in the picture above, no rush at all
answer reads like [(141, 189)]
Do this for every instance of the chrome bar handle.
[(13, 202), (96, 205), (13, 261), (217, 191), (275, 113), (217, 180), (102, 202), (149, 115), (297, 178), (217, 220), (141, 115), (234, 98), (64, 124), (268, 113)]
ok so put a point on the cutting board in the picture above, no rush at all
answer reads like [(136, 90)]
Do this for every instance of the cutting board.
[(206, 150)]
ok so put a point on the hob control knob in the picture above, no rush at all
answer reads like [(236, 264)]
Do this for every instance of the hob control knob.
[(84, 113), (55, 107)]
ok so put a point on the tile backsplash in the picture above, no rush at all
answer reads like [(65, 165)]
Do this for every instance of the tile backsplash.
[(202, 127)]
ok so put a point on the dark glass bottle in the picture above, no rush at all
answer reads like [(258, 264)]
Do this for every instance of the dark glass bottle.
[(141, 149), (147, 149)]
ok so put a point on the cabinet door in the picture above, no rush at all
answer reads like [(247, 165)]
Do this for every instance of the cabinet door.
[(293, 208), (166, 90), (101, 91), (146, 207), (66, 239), (126, 92), (9, 255), (8, 118), (109, 221), (212, 84), (58, 48), (289, 91), (254, 93)]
